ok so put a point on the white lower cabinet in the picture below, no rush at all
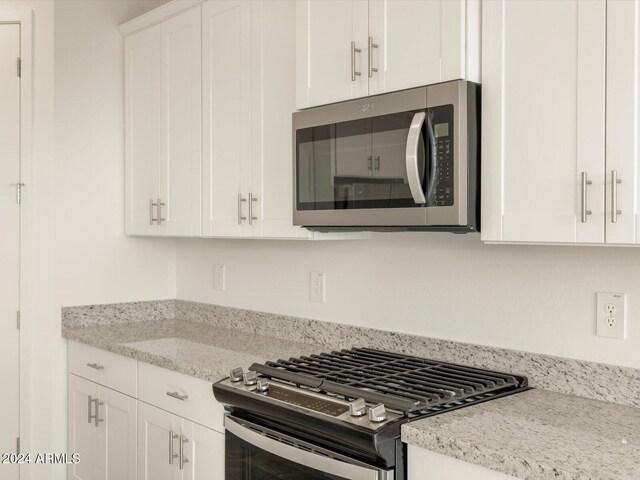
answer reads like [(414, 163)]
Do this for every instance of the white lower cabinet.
[(427, 465), (119, 437), (172, 448), (102, 430)]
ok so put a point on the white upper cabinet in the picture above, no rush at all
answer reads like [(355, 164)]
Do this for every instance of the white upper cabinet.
[(163, 127), (623, 55), (548, 175), (142, 129), (227, 116), (415, 43), (181, 130), (543, 121), (331, 44), (249, 72), (350, 49)]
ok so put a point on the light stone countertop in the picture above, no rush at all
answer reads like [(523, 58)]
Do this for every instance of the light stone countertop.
[(197, 349), (538, 435), (534, 435)]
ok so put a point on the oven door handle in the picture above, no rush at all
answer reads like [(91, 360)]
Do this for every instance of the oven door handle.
[(413, 173), (288, 452)]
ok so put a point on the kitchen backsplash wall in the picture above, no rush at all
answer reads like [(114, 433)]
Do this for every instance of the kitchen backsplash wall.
[(531, 298)]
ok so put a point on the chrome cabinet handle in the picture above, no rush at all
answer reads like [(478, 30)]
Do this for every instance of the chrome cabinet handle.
[(152, 204), (251, 200), (413, 174), (371, 47), (370, 163), (89, 415), (240, 216), (177, 396), (160, 205), (615, 181), (354, 50), (172, 456), (183, 459), (96, 418), (95, 366), (583, 197), (376, 163)]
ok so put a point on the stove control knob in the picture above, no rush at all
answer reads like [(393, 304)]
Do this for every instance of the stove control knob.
[(262, 385), (357, 408), (250, 378), (377, 414), (235, 375)]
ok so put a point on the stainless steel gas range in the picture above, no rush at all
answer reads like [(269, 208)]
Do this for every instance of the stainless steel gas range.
[(338, 415)]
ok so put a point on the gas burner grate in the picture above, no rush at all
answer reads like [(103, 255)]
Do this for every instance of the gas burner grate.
[(404, 383)]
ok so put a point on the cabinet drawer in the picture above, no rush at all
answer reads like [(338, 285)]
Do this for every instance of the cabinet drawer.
[(198, 403), (106, 368)]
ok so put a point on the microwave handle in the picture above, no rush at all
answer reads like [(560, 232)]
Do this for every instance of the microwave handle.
[(413, 173)]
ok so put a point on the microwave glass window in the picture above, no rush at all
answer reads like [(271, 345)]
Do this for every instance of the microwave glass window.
[(361, 164), (357, 164)]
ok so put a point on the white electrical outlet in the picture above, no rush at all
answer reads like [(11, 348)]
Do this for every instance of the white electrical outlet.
[(218, 277), (316, 290), (611, 315)]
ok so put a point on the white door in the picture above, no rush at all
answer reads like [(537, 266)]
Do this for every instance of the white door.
[(226, 116), (623, 115), (543, 121), (207, 452), (418, 42), (273, 75), (181, 128), (142, 131), (9, 243), (328, 69), (83, 436), (158, 435), (117, 436)]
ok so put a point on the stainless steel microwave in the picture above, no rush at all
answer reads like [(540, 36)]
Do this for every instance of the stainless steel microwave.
[(407, 160)]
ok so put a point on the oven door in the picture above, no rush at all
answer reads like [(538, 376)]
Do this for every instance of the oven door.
[(253, 452)]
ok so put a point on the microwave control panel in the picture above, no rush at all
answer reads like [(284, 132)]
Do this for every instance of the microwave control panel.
[(443, 131)]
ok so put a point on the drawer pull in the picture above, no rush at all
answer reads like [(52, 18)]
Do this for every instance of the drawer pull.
[(95, 366), (177, 396)]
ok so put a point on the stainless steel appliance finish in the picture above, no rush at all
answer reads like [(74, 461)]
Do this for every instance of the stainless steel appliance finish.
[(304, 453), (404, 160), (338, 415)]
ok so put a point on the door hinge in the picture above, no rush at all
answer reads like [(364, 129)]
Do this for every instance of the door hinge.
[(19, 64), (18, 319), (18, 446)]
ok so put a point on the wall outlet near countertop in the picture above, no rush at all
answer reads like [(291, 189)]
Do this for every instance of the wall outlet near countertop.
[(218, 277), (611, 315), (316, 287)]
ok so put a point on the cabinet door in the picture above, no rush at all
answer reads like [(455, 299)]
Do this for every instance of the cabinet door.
[(623, 53), (208, 453), (543, 121), (155, 444), (142, 130), (181, 127), (324, 32), (227, 116), (117, 436), (83, 434), (418, 42), (273, 73)]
